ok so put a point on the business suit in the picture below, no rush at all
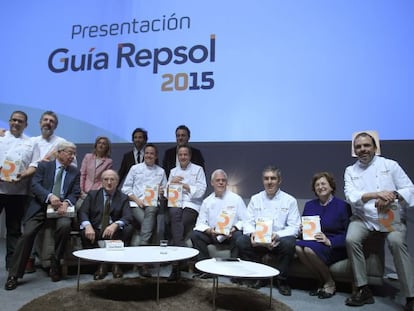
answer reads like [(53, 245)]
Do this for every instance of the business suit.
[(92, 211), (127, 161), (35, 217), (170, 158)]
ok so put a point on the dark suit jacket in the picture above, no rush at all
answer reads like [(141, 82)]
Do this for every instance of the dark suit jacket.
[(127, 161), (92, 208), (170, 156), (42, 184)]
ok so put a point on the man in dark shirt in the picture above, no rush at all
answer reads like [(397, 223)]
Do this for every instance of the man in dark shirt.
[(136, 155), (182, 135)]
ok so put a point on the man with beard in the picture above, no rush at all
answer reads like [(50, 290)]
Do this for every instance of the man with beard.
[(45, 149), (376, 185), (136, 155), (46, 143)]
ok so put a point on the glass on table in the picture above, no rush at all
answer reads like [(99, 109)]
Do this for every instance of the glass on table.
[(163, 246)]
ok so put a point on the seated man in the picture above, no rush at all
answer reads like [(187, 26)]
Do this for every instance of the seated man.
[(105, 215), (373, 186), (279, 211), (220, 219), (55, 183), (144, 212)]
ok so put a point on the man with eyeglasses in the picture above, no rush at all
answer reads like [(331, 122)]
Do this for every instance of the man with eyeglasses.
[(16, 151), (47, 192), (45, 145), (45, 149)]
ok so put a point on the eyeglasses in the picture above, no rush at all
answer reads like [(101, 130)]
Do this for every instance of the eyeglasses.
[(17, 120), (69, 153)]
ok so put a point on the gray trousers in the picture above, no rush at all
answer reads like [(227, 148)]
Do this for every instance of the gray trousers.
[(146, 218), (358, 232)]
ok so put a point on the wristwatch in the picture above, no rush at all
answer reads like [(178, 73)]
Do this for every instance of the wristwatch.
[(397, 195)]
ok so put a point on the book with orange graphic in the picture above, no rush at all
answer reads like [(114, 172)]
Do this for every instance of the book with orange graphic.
[(310, 226), (391, 220), (225, 220), (151, 195), (264, 229), (175, 195), (10, 169)]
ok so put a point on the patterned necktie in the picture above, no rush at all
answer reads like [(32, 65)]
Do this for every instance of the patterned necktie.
[(105, 214), (57, 187)]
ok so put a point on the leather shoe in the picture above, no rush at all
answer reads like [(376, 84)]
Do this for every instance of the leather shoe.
[(238, 281), (11, 283), (117, 271), (256, 284), (202, 275), (328, 290), (283, 287), (101, 273), (315, 292), (30, 266), (175, 275), (409, 306), (54, 271), (361, 297), (143, 271)]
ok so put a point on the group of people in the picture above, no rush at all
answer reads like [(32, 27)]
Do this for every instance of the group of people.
[(110, 205)]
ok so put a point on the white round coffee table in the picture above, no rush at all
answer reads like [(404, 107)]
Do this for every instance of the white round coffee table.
[(137, 255), (236, 268)]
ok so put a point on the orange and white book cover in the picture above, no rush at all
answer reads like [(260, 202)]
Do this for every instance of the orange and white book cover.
[(10, 169), (151, 195), (263, 233), (175, 195), (390, 221), (310, 226), (225, 220)]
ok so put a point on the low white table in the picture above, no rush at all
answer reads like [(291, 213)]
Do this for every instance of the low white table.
[(137, 255), (238, 269)]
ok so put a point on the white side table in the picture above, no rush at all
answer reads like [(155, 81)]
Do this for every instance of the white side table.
[(137, 255), (238, 269)]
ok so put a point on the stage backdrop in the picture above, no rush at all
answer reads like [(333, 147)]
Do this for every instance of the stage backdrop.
[(231, 70)]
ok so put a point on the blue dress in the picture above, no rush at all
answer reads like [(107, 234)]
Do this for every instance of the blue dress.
[(334, 223)]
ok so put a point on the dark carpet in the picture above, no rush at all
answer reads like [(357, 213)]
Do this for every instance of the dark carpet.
[(140, 294)]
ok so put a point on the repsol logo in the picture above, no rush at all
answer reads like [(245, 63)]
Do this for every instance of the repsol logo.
[(61, 60)]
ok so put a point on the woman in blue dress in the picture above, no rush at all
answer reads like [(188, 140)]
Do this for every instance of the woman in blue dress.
[(328, 245)]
